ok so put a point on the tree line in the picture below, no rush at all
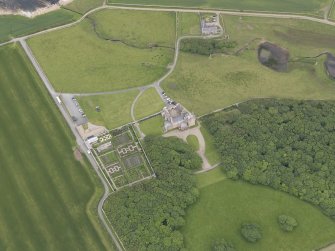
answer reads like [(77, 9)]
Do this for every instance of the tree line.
[(148, 216), (206, 46), (288, 145)]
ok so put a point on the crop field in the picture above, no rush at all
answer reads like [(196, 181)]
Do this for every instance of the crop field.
[(121, 157), (225, 204), (114, 109), (46, 194), (82, 6), (189, 23), (309, 6), (100, 64), (204, 84), (160, 27), (148, 103), (15, 25)]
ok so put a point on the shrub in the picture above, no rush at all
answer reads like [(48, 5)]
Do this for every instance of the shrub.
[(287, 223), (251, 232), (222, 245)]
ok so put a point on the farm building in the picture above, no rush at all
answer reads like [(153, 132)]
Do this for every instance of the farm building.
[(176, 116), (208, 28)]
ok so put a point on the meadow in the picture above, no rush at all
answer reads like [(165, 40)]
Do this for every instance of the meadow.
[(204, 84), (15, 26), (116, 24), (148, 103), (114, 108), (309, 6), (225, 204), (78, 60), (47, 196)]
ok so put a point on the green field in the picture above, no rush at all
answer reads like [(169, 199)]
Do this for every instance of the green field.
[(204, 84), (189, 23), (46, 194), (117, 24), (114, 109), (211, 153), (100, 65), (14, 25), (82, 6), (225, 204), (300, 37), (192, 140), (152, 126), (148, 103), (295, 6)]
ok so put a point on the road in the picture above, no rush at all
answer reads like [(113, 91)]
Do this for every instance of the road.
[(79, 140)]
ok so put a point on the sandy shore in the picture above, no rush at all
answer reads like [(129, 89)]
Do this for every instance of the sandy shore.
[(37, 12)]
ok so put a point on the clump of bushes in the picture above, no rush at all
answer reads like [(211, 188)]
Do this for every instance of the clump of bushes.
[(287, 223), (222, 245), (251, 232), (206, 46)]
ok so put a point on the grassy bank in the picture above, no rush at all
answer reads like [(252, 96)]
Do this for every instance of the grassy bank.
[(44, 190)]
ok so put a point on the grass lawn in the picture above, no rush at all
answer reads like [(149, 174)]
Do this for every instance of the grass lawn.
[(15, 25), (148, 103), (82, 6), (114, 109), (211, 153), (192, 140), (137, 28), (47, 196), (225, 204), (152, 126), (296, 6), (189, 24), (77, 60)]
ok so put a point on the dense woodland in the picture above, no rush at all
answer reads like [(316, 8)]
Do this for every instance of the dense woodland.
[(206, 46), (148, 216), (288, 145)]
